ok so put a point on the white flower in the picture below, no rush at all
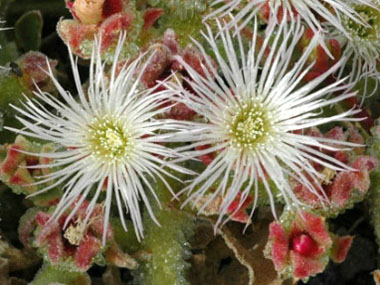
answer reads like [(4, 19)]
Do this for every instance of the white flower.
[(310, 11), (362, 45), (254, 113), (109, 136)]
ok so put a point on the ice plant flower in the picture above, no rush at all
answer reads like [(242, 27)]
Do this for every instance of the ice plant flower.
[(78, 245), (362, 44), (311, 12), (108, 139), (108, 18), (254, 115)]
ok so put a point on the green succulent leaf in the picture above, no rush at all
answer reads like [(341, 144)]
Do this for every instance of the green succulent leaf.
[(28, 29)]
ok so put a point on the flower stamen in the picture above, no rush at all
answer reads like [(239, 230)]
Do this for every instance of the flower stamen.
[(110, 140), (371, 16), (247, 125)]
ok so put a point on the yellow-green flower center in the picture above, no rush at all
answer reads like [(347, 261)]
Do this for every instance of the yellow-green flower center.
[(370, 16), (248, 126), (110, 139)]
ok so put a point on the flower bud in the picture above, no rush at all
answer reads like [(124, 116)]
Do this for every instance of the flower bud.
[(89, 11)]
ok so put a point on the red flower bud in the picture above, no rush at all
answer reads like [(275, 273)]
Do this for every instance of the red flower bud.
[(304, 245)]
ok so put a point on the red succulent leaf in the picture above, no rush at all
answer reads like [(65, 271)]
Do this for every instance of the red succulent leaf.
[(336, 50), (110, 28), (266, 12), (239, 213), (159, 62), (111, 7), (11, 162), (55, 247), (341, 248), (363, 164), (196, 60), (26, 227), (50, 235), (341, 189), (345, 182), (305, 266), (87, 250), (34, 66), (342, 156), (180, 111), (314, 226), (279, 245), (322, 60), (355, 137), (74, 33), (22, 177), (208, 157), (367, 120), (336, 134), (48, 228), (320, 56), (151, 16), (306, 195), (42, 218), (320, 66)]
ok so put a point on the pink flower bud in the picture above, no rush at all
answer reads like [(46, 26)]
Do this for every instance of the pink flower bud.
[(304, 245)]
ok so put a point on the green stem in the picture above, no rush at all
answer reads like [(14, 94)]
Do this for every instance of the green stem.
[(374, 191), (166, 244), (49, 274)]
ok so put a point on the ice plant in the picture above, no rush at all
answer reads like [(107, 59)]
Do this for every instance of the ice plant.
[(108, 139), (321, 55), (77, 246), (300, 245), (362, 44), (310, 12), (108, 18), (14, 172), (254, 113), (21, 76), (343, 189)]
